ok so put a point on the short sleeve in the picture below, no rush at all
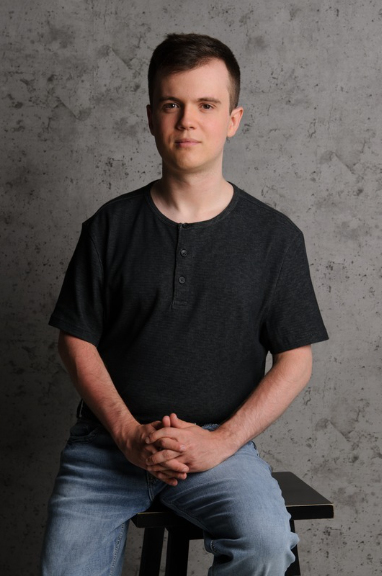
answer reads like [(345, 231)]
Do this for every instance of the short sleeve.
[(293, 318), (79, 308)]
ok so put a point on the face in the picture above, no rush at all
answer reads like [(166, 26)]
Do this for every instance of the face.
[(190, 118)]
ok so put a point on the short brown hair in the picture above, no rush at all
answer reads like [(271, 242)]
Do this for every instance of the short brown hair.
[(181, 52)]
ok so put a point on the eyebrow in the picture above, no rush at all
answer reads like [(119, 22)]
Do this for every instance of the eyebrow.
[(204, 99)]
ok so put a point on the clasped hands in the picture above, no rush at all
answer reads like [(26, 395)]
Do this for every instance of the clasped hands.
[(171, 448)]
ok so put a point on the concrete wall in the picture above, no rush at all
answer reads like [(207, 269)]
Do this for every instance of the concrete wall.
[(73, 95)]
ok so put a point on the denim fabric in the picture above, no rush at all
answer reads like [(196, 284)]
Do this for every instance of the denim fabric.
[(238, 505)]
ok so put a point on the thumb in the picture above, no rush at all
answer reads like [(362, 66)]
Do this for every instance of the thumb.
[(166, 422), (177, 422)]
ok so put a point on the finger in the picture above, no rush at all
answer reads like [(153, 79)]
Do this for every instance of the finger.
[(157, 424), (168, 471), (169, 481), (171, 474), (174, 420), (163, 475), (169, 444), (177, 422), (166, 421), (162, 456), (173, 466), (150, 449), (162, 433)]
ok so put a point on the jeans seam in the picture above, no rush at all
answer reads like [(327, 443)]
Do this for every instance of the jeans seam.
[(183, 514), (116, 549)]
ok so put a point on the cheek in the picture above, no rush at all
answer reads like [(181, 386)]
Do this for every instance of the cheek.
[(165, 127), (220, 132)]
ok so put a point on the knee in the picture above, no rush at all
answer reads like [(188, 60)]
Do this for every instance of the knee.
[(275, 544), (267, 548)]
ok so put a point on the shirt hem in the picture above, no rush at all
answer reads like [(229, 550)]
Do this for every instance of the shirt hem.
[(74, 330), (285, 347)]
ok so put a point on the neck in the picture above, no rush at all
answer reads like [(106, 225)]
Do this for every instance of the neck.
[(193, 197)]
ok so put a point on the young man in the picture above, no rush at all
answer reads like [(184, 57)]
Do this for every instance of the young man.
[(174, 296)]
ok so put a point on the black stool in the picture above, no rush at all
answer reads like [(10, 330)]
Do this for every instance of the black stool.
[(302, 502)]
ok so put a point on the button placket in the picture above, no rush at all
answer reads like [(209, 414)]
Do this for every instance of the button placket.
[(182, 267)]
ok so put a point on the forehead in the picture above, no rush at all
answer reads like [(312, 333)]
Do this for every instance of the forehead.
[(209, 79)]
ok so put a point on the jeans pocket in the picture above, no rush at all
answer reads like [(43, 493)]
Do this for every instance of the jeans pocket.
[(83, 431), (259, 457)]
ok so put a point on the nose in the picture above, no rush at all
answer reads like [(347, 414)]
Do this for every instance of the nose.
[(186, 118)]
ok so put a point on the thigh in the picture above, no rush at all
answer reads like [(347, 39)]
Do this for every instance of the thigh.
[(240, 507), (95, 494), (240, 487)]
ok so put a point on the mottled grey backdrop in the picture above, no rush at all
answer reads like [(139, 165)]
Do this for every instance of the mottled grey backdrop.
[(73, 94)]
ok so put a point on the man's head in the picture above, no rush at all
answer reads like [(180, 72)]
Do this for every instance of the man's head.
[(182, 52)]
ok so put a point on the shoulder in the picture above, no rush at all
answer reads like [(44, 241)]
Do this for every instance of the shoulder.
[(122, 203), (117, 212), (267, 220)]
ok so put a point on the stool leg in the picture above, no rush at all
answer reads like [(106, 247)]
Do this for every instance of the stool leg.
[(151, 552), (177, 552), (294, 569)]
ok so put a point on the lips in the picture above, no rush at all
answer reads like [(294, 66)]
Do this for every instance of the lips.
[(186, 142)]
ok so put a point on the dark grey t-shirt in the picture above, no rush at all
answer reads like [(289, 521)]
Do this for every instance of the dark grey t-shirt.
[(183, 315)]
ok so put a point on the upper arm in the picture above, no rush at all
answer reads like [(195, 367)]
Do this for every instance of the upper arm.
[(70, 346), (296, 362), (80, 306), (292, 317)]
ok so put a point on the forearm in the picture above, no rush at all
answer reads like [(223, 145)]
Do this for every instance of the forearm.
[(203, 449), (290, 373), (94, 384)]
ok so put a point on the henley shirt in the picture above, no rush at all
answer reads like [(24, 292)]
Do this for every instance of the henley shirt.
[(183, 315)]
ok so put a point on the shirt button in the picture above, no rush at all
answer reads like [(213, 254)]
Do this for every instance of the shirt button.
[(183, 253), (182, 279)]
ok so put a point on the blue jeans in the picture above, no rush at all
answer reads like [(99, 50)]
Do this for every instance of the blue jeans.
[(238, 505)]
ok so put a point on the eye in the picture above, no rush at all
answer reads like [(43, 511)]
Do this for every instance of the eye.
[(170, 106), (207, 106)]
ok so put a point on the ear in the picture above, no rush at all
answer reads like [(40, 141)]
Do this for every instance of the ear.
[(150, 118), (234, 123)]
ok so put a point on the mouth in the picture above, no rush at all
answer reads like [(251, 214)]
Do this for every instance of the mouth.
[(186, 142)]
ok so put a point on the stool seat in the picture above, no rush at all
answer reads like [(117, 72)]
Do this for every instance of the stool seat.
[(302, 503)]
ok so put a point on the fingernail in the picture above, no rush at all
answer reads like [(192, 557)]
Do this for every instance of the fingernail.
[(182, 447)]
